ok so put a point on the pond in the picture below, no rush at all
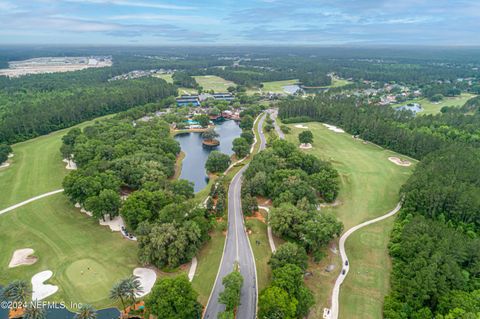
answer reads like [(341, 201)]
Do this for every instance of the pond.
[(193, 165)]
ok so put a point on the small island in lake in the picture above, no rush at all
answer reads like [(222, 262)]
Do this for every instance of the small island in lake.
[(209, 138)]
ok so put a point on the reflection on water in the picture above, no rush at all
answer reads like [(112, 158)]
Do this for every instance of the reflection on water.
[(193, 165)]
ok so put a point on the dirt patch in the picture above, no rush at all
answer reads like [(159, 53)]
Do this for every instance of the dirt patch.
[(305, 146), (22, 257), (399, 161), (258, 216)]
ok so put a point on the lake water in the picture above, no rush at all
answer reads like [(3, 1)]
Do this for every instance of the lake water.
[(193, 165), (291, 89)]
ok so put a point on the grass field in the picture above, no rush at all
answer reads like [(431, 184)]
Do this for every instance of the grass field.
[(337, 82), (35, 169), (261, 252), (369, 188), (434, 108), (277, 86), (166, 76), (67, 243), (213, 82), (208, 262)]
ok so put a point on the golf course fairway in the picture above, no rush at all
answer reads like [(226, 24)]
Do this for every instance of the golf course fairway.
[(369, 188)]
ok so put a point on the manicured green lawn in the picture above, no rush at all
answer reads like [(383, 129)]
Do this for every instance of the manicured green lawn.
[(213, 82), (369, 188), (68, 243), (277, 86), (36, 168), (435, 107), (261, 252), (208, 262), (336, 82)]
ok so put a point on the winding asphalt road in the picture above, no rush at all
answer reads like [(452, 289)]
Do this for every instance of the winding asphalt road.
[(237, 249), (334, 310)]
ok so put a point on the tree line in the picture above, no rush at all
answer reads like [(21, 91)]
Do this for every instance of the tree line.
[(397, 130), (27, 115)]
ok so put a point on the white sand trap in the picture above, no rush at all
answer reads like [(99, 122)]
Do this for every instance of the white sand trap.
[(147, 277), (334, 128), (4, 165), (306, 146), (10, 155), (40, 290), (115, 224), (83, 210), (301, 126), (22, 257), (399, 162), (71, 165)]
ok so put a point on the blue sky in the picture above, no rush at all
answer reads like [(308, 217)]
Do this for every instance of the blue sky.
[(261, 22)]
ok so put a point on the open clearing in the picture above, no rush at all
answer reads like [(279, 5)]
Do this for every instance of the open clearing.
[(213, 82), (67, 243), (54, 64), (369, 188), (435, 107), (277, 86), (165, 76)]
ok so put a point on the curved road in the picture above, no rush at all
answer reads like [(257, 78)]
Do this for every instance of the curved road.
[(334, 311), (25, 202), (237, 249)]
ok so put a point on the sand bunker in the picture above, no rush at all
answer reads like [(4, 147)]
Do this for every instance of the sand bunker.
[(115, 224), (40, 290), (71, 165), (399, 162), (22, 257), (5, 165), (83, 210), (334, 128), (10, 155), (147, 277), (305, 146), (301, 126)]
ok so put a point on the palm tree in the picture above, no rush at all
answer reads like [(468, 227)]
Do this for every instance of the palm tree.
[(118, 293), (86, 312), (126, 289), (133, 287), (34, 312), (17, 291)]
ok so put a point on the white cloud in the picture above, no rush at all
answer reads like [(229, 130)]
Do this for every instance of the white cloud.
[(166, 17), (133, 3)]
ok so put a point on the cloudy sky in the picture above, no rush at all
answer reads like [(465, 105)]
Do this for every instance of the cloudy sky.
[(260, 22)]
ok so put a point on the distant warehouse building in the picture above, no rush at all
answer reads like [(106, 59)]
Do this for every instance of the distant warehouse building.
[(223, 96), (188, 100)]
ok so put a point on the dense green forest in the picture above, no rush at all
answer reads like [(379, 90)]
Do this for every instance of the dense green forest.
[(184, 80), (435, 244), (24, 115), (118, 154), (295, 182)]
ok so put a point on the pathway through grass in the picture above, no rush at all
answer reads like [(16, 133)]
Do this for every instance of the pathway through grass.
[(369, 188)]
